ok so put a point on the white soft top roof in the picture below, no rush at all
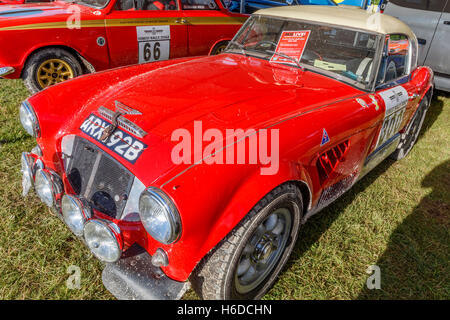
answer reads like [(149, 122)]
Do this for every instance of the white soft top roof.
[(353, 17)]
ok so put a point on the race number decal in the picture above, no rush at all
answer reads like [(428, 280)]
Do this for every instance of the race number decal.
[(395, 100), (153, 43)]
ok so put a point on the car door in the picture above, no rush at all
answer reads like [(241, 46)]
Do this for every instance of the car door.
[(438, 57), (208, 22), (422, 16), (141, 31), (398, 94)]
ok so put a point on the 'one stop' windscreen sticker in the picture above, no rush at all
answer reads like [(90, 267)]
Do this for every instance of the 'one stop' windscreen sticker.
[(291, 43)]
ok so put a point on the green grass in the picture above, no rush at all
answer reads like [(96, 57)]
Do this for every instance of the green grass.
[(397, 217)]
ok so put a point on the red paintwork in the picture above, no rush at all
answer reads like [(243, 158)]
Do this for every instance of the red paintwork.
[(121, 41), (224, 91)]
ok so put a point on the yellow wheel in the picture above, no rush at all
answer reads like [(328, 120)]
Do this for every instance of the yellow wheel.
[(53, 71), (218, 49)]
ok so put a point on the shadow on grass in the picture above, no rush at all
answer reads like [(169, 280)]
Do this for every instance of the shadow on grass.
[(318, 224), (415, 264)]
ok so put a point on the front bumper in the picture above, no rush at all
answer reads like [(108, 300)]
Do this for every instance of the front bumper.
[(134, 277), (4, 71)]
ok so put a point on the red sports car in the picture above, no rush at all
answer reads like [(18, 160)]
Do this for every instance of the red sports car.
[(202, 170), (47, 43)]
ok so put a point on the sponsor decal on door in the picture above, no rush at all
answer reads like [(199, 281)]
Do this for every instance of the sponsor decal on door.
[(153, 43), (395, 100)]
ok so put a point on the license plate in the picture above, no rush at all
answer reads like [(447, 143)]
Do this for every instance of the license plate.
[(120, 142)]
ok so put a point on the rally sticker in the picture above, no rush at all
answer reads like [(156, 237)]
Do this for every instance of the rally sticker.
[(119, 142), (291, 43), (153, 43), (395, 100)]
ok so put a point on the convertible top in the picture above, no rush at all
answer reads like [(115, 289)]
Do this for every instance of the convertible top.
[(343, 16)]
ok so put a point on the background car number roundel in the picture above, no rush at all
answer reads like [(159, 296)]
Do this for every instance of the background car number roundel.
[(119, 142), (153, 43)]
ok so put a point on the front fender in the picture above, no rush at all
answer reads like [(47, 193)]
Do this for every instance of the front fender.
[(216, 206)]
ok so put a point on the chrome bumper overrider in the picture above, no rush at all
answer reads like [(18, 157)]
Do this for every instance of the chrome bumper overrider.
[(4, 71), (134, 277)]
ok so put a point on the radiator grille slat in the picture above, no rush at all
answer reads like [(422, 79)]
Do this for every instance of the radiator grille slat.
[(96, 176)]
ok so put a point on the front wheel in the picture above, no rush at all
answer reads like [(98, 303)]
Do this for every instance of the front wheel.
[(48, 67), (409, 137), (247, 262)]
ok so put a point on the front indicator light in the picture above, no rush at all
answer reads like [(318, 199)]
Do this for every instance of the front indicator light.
[(76, 211), (47, 185), (104, 239)]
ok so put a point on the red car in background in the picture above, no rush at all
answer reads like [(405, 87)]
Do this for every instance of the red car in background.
[(47, 43), (203, 169), (3, 2)]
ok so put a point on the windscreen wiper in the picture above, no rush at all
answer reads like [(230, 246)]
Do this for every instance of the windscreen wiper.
[(287, 57)]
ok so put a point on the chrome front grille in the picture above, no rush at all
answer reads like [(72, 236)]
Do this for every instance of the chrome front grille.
[(97, 177)]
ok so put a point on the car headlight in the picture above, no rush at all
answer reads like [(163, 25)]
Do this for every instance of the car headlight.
[(29, 120), (76, 211), (103, 239), (159, 216), (47, 185)]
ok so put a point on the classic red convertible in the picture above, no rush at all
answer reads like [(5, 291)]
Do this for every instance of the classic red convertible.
[(202, 170), (47, 43)]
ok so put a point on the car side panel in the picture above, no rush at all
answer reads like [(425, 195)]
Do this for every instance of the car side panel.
[(205, 27), (216, 197), (27, 41), (122, 29)]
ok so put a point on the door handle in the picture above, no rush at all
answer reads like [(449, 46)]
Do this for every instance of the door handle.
[(447, 23), (182, 21), (421, 41)]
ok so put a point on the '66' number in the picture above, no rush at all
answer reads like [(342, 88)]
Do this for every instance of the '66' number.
[(148, 51)]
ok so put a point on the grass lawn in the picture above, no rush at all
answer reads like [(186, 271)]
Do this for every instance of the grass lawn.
[(397, 217)]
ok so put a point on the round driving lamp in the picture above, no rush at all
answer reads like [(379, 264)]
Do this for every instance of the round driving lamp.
[(28, 119), (76, 211), (159, 216), (46, 186), (103, 239)]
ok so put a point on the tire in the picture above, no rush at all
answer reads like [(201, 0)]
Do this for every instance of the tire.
[(409, 137), (51, 65), (221, 274), (218, 48)]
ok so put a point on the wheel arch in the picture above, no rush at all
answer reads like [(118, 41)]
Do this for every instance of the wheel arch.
[(230, 217), (218, 42), (87, 67)]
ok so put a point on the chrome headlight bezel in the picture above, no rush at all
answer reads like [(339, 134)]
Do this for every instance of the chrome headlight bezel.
[(27, 162), (46, 178), (79, 209), (171, 218), (29, 120), (110, 230)]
